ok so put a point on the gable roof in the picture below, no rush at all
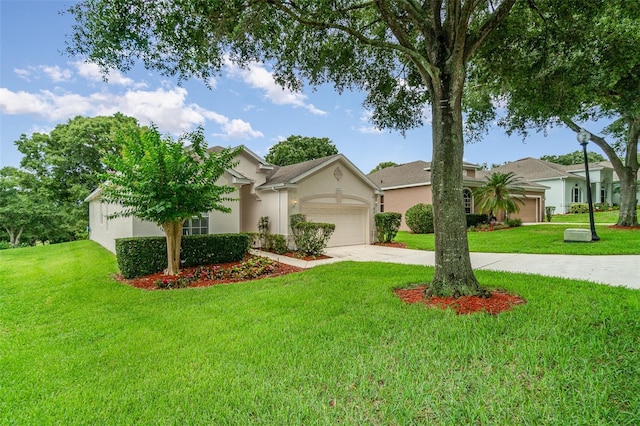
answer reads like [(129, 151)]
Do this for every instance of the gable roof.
[(403, 175), (534, 169), (292, 174)]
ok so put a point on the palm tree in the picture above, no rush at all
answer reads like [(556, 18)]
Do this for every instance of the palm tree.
[(500, 192)]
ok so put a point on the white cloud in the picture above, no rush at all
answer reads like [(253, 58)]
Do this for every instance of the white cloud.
[(23, 73), (92, 72), (256, 76), (167, 108), (56, 74), (366, 128)]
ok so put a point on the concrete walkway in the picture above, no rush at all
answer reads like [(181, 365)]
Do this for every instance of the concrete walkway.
[(611, 270)]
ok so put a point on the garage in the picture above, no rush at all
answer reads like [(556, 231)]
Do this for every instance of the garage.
[(351, 223), (530, 211)]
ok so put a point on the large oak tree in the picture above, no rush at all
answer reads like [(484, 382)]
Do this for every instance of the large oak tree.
[(567, 63), (402, 53)]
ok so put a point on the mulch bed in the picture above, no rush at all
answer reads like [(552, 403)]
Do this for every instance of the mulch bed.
[(148, 282), (295, 255), (392, 244), (625, 227), (500, 301)]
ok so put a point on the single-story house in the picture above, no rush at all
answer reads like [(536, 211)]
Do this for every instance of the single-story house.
[(567, 184), (406, 185), (330, 189)]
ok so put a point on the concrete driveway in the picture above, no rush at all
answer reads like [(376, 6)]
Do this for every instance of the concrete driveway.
[(611, 270)]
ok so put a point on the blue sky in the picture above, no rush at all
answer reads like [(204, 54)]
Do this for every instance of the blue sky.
[(41, 87)]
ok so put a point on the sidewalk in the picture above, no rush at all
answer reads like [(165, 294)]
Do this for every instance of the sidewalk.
[(611, 270)]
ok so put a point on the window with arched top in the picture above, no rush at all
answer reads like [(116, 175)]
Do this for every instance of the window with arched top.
[(575, 195), (466, 193)]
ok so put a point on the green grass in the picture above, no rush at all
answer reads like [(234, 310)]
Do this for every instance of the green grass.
[(331, 345), (538, 239), (598, 217)]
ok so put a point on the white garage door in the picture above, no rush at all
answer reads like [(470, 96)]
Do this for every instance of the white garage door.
[(351, 223)]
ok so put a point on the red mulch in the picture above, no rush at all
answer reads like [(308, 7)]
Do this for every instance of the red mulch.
[(148, 282), (392, 244), (296, 255), (499, 301), (624, 227)]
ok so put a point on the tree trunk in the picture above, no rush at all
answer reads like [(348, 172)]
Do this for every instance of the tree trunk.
[(173, 233), (629, 177), (453, 273), (14, 236)]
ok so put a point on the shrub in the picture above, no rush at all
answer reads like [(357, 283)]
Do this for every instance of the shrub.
[(5, 245), (311, 238), (387, 226), (475, 219), (549, 210), (276, 243), (513, 223), (419, 218), (140, 256), (579, 208), (601, 206)]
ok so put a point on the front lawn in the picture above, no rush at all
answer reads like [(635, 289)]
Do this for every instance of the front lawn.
[(538, 239), (609, 217), (331, 345)]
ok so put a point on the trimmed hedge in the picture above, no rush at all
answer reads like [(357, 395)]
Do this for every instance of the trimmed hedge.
[(140, 256), (474, 219), (579, 208), (387, 225), (419, 218), (311, 238)]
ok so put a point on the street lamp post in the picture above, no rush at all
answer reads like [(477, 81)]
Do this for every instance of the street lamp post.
[(583, 138)]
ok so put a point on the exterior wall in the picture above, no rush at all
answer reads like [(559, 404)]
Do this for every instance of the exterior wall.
[(250, 210), (104, 231), (401, 199), (248, 167), (336, 186)]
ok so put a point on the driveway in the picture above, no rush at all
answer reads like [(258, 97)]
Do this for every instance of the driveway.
[(611, 270)]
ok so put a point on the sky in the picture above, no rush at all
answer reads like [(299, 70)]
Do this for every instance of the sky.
[(41, 87)]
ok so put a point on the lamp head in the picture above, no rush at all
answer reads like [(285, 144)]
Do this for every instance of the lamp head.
[(583, 137)]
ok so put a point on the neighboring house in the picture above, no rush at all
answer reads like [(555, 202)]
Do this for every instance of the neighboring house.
[(329, 189), (406, 185), (567, 184)]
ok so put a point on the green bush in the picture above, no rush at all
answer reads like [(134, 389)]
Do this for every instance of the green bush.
[(601, 207), (474, 219), (387, 226), (276, 243), (513, 223), (311, 238), (419, 218), (579, 208), (140, 256), (549, 210), (5, 245)]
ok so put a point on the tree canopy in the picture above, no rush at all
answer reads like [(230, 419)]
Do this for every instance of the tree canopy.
[(296, 149), (383, 165), (401, 54), (163, 181), (23, 209), (67, 163), (575, 157), (568, 72)]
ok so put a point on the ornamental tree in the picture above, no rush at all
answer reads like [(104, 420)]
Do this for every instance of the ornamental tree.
[(296, 149), (501, 191), (163, 181), (403, 54)]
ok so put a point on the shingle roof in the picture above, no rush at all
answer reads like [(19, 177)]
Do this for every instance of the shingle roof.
[(413, 173), (534, 169), (285, 174)]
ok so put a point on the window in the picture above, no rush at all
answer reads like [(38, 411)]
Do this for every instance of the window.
[(467, 200), (603, 195), (575, 194), (196, 226), (382, 204)]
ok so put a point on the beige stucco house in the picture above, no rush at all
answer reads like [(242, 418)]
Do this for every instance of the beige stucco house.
[(408, 184), (329, 189)]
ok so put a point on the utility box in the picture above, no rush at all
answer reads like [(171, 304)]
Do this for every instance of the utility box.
[(573, 235)]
